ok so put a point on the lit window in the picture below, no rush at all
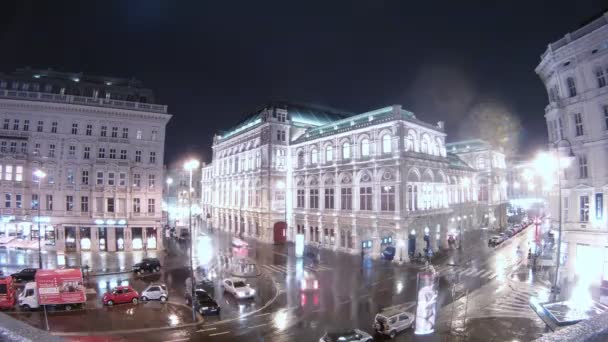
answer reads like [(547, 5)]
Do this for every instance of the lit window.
[(8, 172), (138, 134), (19, 173), (314, 156), (329, 153), (346, 151), (386, 144), (365, 148)]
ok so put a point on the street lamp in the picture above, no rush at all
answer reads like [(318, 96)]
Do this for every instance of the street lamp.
[(542, 161), (39, 175), (189, 166), (169, 182)]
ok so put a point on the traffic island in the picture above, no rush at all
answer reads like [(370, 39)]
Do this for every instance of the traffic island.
[(112, 320)]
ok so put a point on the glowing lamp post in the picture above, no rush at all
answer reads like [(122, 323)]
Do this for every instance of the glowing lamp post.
[(548, 165), (169, 182), (39, 175), (189, 166)]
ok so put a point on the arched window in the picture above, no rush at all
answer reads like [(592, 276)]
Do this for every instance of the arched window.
[(314, 156), (409, 142), (301, 159), (424, 147), (346, 150), (365, 148), (329, 153), (386, 144)]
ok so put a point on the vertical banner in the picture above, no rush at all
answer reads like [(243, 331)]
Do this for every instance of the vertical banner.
[(426, 303), (299, 245), (599, 206)]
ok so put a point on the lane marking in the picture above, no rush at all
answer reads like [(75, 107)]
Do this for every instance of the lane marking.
[(220, 333), (256, 326), (208, 329), (181, 339), (317, 311)]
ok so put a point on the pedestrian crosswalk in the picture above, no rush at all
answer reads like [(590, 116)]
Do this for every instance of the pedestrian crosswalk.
[(515, 303), (292, 268), (467, 272)]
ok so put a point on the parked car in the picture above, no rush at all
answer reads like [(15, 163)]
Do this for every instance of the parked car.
[(26, 274), (199, 286), (389, 253), (309, 282), (496, 240), (353, 335), (390, 322), (120, 294), (205, 305), (238, 288), (147, 265), (155, 292)]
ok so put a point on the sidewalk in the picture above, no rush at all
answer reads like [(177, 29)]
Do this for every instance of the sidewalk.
[(100, 263)]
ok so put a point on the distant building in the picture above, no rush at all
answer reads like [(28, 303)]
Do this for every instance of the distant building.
[(574, 70), (349, 182), (175, 196), (490, 178), (100, 141)]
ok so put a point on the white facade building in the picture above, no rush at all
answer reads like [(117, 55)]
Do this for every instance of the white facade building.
[(346, 182), (574, 70), (101, 145)]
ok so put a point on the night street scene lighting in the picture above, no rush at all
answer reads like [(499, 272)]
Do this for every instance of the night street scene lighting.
[(304, 171)]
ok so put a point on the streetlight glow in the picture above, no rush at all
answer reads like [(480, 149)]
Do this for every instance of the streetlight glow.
[(169, 181)]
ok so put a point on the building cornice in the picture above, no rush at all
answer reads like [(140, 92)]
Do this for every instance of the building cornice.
[(11, 104)]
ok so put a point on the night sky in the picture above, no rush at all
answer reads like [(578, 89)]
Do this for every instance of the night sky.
[(214, 62)]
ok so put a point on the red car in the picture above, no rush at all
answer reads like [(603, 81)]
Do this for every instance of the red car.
[(121, 294)]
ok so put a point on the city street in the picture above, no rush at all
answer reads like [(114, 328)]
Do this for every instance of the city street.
[(488, 288)]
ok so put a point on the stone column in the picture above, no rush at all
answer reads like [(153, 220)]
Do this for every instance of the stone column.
[(111, 239)]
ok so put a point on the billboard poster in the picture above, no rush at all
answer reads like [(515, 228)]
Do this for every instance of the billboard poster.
[(426, 303), (60, 286)]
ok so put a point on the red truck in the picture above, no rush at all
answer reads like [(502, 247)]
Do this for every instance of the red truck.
[(61, 288), (7, 293)]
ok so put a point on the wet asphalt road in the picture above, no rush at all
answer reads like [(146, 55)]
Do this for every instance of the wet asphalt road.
[(352, 290)]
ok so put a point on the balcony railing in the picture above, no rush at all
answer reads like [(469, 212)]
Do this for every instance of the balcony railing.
[(82, 100)]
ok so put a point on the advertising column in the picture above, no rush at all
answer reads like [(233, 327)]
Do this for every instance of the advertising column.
[(426, 303)]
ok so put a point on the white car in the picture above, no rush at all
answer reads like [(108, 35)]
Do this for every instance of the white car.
[(238, 243), (155, 292), (353, 335), (238, 288), (390, 322)]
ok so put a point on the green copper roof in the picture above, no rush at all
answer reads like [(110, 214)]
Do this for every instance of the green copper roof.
[(456, 162), (303, 115), (356, 121)]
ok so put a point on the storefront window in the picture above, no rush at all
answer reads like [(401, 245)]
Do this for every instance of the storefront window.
[(49, 235), (70, 239), (150, 238), (120, 239), (103, 241), (85, 238), (137, 241)]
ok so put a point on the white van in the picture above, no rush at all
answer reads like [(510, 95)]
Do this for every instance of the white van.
[(392, 321)]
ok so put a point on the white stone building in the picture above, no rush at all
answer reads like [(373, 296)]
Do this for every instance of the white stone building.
[(100, 141), (574, 70), (347, 182)]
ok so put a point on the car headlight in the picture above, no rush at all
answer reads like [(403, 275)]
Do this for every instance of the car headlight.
[(240, 294), (205, 307), (252, 291)]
